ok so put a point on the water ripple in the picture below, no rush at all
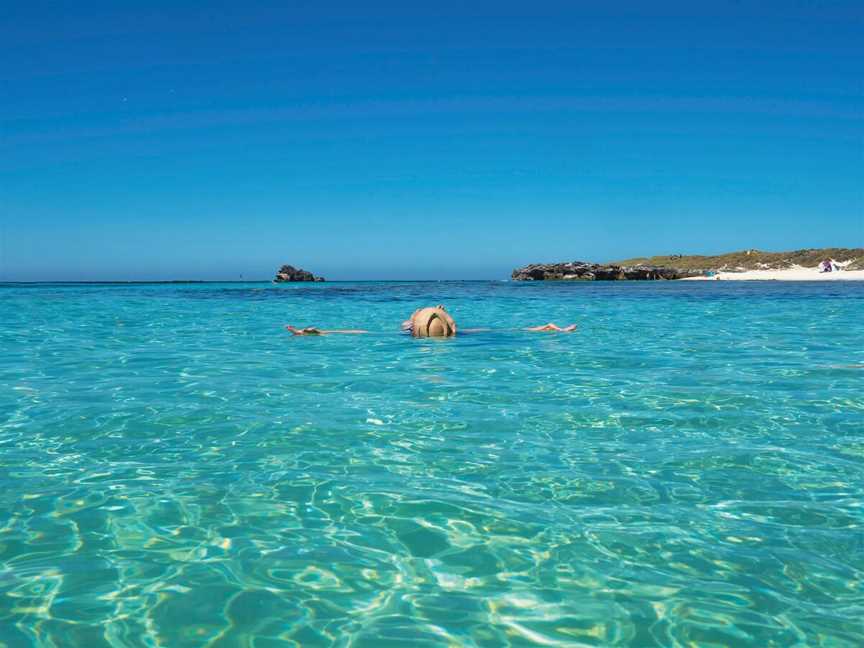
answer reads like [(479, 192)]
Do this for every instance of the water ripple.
[(685, 470)]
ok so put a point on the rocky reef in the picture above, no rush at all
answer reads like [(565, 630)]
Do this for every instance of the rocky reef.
[(583, 271), (290, 273)]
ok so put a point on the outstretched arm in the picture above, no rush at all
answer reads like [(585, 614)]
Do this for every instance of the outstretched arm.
[(552, 327), (311, 330)]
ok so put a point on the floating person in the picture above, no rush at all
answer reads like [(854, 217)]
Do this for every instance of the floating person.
[(432, 321)]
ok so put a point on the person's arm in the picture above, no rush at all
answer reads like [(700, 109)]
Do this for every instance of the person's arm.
[(545, 327)]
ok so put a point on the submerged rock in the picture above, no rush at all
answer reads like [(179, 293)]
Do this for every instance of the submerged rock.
[(583, 271), (290, 273)]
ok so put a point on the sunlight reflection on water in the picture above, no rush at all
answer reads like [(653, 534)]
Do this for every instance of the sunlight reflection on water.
[(178, 471)]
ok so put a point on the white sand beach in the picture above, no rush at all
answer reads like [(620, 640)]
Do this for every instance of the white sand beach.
[(795, 273)]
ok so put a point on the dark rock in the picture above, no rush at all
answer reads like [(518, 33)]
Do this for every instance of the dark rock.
[(290, 273), (583, 271)]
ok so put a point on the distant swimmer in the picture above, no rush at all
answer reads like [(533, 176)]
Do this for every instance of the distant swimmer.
[(431, 321)]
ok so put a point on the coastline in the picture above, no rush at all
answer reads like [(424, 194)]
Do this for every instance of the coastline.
[(796, 273), (743, 265)]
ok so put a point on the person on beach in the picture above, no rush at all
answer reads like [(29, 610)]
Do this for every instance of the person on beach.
[(432, 321)]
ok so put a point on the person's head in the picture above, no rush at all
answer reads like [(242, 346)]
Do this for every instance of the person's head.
[(433, 321)]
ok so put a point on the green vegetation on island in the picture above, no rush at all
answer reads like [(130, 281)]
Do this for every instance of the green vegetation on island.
[(753, 260), (679, 266)]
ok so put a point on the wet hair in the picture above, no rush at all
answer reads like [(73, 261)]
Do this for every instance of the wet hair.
[(433, 322)]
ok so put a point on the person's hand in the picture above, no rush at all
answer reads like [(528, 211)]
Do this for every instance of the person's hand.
[(551, 326), (309, 330)]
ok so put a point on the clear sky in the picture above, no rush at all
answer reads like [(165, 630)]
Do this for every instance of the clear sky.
[(421, 139)]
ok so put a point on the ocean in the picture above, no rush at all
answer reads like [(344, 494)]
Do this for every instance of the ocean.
[(687, 469)]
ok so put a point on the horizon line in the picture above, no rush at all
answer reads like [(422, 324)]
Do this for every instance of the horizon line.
[(237, 281)]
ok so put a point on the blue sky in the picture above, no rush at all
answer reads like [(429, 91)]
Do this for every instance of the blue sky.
[(421, 140)]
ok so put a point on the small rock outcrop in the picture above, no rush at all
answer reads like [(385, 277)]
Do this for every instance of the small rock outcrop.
[(583, 271), (290, 273)]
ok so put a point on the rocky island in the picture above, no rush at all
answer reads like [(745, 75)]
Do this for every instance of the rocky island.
[(583, 271), (290, 273), (733, 265)]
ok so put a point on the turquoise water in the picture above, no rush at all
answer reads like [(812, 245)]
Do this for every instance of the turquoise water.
[(686, 469)]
